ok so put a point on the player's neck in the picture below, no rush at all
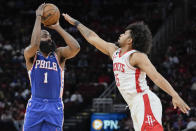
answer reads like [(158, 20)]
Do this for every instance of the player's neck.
[(45, 54), (125, 49)]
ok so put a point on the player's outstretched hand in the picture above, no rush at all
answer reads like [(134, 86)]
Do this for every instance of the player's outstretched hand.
[(39, 11), (69, 19), (55, 26), (178, 102)]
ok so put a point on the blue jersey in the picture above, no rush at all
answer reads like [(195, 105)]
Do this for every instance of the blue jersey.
[(46, 77)]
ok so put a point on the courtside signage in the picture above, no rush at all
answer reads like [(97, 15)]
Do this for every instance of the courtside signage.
[(106, 121)]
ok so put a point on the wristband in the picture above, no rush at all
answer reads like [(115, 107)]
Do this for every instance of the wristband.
[(76, 23)]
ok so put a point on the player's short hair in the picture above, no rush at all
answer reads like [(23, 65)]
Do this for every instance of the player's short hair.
[(45, 32), (141, 37)]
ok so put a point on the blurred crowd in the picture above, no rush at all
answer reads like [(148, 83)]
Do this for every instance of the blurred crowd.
[(178, 67), (90, 72)]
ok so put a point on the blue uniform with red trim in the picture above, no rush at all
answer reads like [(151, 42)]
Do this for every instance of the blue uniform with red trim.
[(45, 108)]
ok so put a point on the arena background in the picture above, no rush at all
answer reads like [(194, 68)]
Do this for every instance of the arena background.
[(91, 99)]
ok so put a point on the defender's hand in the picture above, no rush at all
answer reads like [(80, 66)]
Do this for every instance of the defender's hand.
[(178, 102), (69, 19), (39, 11), (55, 26)]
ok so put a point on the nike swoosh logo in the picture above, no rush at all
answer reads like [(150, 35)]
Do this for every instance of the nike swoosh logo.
[(59, 108)]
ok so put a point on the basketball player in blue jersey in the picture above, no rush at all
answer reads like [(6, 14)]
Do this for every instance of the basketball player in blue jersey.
[(45, 65)]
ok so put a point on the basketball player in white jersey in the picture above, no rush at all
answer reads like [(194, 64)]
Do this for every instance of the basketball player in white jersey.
[(130, 66)]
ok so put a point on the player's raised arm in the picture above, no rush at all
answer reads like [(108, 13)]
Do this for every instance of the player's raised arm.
[(105, 47), (141, 60), (30, 51), (72, 47)]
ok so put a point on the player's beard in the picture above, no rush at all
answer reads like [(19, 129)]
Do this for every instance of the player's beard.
[(47, 46)]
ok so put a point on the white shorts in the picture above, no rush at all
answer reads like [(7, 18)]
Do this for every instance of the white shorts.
[(146, 112)]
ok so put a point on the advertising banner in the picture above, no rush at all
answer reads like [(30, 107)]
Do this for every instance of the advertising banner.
[(106, 121)]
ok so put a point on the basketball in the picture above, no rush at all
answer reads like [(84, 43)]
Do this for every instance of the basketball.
[(51, 14)]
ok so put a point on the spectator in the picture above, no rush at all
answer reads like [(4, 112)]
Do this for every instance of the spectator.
[(76, 98), (191, 124)]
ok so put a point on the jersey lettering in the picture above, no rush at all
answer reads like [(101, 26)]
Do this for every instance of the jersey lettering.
[(118, 67), (128, 78), (46, 65)]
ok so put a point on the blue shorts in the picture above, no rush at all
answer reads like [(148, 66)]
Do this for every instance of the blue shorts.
[(44, 115)]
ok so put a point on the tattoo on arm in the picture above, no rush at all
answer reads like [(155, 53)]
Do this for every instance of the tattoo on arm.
[(86, 32)]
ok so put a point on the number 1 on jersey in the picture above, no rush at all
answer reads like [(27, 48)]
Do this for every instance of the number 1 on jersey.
[(46, 77)]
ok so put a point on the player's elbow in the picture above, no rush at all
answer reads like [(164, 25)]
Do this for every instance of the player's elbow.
[(76, 48)]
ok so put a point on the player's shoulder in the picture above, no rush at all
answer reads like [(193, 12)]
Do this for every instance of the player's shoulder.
[(139, 56), (57, 51), (115, 50), (138, 53)]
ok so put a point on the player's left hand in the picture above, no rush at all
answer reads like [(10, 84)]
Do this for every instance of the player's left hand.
[(39, 11), (178, 102), (55, 26)]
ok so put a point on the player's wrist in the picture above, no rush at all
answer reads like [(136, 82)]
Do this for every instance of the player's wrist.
[(39, 15), (57, 27), (175, 95)]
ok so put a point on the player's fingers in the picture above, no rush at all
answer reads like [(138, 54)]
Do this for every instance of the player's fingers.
[(185, 110), (174, 105), (181, 108), (42, 6), (187, 107), (68, 18), (65, 16), (184, 107)]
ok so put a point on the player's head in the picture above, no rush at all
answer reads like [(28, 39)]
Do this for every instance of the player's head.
[(46, 43), (125, 39), (45, 35), (137, 35)]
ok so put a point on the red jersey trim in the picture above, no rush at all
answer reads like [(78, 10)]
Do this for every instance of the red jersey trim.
[(137, 75), (150, 123), (124, 52)]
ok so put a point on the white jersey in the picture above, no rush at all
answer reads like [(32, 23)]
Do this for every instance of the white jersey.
[(145, 106), (129, 80)]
